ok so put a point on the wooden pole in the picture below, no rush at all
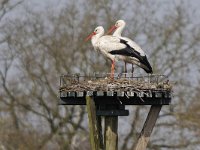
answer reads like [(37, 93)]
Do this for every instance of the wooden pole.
[(99, 127), (148, 127), (93, 127), (111, 136)]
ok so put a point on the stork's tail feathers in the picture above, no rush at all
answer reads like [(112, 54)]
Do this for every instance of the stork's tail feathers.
[(147, 67), (149, 70)]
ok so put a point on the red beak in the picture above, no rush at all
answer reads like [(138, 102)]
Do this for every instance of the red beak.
[(90, 36), (111, 29)]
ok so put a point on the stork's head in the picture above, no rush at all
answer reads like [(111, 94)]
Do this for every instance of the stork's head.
[(118, 24), (98, 31)]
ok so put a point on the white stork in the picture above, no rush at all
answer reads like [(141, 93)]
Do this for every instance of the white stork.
[(106, 44), (116, 48), (118, 28)]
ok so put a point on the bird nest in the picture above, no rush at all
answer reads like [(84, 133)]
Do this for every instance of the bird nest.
[(120, 82)]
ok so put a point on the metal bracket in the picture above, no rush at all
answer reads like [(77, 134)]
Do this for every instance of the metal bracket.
[(111, 110)]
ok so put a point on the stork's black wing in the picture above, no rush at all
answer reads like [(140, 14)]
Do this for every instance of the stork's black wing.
[(129, 51)]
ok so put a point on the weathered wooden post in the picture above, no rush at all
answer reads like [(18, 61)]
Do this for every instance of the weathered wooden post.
[(111, 135), (93, 125), (148, 127), (108, 98)]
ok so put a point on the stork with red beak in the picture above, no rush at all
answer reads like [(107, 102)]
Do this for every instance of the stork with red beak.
[(118, 28), (106, 44)]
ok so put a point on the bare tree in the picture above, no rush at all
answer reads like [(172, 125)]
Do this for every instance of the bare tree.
[(43, 45)]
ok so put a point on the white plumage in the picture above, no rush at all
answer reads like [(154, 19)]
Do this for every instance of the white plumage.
[(105, 44)]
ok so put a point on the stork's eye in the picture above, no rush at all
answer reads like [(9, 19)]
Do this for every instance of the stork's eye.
[(95, 30)]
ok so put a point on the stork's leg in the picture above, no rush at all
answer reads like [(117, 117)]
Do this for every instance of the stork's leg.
[(125, 69), (113, 69), (132, 70)]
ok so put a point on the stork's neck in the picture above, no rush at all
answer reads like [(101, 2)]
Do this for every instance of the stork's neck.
[(118, 31), (96, 37)]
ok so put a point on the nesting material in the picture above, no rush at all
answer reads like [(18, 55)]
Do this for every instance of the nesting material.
[(122, 84)]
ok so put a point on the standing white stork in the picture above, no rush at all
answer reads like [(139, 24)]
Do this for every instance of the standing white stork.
[(118, 28), (106, 44), (116, 48)]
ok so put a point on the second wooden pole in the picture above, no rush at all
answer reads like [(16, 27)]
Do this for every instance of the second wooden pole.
[(111, 136)]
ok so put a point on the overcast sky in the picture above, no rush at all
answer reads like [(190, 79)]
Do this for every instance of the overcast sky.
[(42, 5)]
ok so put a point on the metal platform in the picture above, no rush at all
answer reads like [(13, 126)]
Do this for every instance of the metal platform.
[(151, 96)]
